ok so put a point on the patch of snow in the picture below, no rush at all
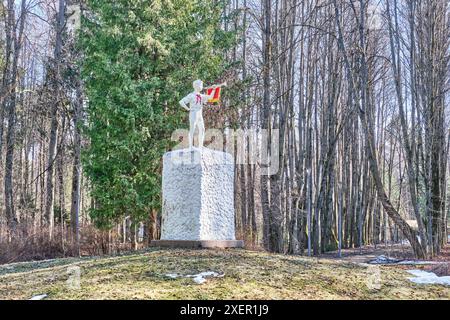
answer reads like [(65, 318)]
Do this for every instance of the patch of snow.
[(387, 260), (204, 274), (383, 260), (197, 278), (419, 273), (39, 297), (200, 278), (424, 277), (417, 262)]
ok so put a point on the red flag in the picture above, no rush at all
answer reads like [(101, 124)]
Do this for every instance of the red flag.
[(216, 96)]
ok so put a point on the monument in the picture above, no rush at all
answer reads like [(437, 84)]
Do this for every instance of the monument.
[(197, 187)]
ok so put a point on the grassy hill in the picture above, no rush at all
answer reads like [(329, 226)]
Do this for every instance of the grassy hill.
[(244, 275)]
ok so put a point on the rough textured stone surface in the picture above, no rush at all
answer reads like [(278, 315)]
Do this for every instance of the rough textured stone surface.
[(198, 195)]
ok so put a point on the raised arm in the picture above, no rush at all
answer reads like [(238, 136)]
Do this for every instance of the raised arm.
[(223, 84)]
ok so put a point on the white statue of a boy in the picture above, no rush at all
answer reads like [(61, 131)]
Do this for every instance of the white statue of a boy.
[(196, 100)]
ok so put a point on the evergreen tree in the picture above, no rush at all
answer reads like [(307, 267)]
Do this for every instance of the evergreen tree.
[(140, 58)]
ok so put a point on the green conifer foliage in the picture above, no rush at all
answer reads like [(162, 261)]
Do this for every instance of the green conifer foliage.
[(140, 59)]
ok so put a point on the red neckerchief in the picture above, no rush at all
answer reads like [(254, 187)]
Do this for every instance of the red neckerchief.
[(198, 98)]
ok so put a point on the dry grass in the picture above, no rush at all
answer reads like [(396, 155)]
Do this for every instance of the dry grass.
[(248, 275)]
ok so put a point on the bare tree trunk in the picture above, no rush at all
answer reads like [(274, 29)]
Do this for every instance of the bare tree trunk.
[(396, 68), (76, 169), (407, 231), (11, 116), (265, 116)]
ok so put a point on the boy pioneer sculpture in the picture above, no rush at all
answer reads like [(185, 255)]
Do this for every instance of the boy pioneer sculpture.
[(190, 176), (196, 100)]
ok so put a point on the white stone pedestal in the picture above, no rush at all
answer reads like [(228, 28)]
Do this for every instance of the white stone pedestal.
[(198, 198)]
